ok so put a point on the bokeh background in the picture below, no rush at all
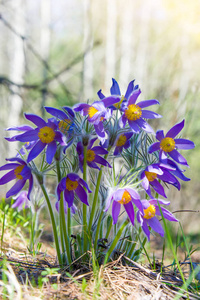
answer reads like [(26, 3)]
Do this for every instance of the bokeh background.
[(61, 52)]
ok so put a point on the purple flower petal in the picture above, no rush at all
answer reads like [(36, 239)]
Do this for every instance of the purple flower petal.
[(82, 182), (130, 211), (129, 89), (175, 129), (69, 197), (158, 188), (133, 97), (148, 114), (115, 90), (178, 157), (155, 225), (30, 186), (9, 166), (160, 135), (16, 188), (161, 201), (154, 147), (134, 126), (100, 94), (69, 111), (28, 136), (166, 214), (144, 125), (184, 144), (115, 211), (81, 193), (147, 103), (108, 202), (56, 113), (7, 177), (51, 150), (35, 151), (38, 121), (102, 161), (99, 150), (21, 128), (93, 165)]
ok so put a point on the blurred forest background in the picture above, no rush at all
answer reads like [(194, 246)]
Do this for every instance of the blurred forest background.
[(60, 52)]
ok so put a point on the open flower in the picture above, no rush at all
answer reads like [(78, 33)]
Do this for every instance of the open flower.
[(122, 141), (155, 172), (115, 90), (70, 185), (21, 201), (135, 115), (46, 134), (168, 144), (148, 217), (19, 171), (93, 157), (126, 197), (97, 113)]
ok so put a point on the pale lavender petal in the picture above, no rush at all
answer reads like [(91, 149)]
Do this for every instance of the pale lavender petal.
[(175, 129), (16, 188), (147, 103), (108, 202), (144, 125), (130, 211), (184, 144), (156, 226), (155, 169), (154, 147), (35, 151), (161, 201), (81, 193), (133, 193), (178, 157), (115, 211), (38, 121), (133, 97), (145, 181), (51, 150), (147, 114)]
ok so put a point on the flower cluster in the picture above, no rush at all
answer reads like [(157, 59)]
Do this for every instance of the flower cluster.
[(91, 134)]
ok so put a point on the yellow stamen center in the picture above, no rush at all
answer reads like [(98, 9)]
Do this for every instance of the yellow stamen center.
[(17, 172), (121, 140), (64, 125), (126, 198), (167, 144), (118, 104), (151, 175), (90, 155), (150, 212), (92, 111), (46, 134), (133, 112), (71, 185)]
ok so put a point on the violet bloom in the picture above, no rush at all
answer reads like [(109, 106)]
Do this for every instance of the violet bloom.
[(93, 157), (46, 134), (97, 113), (126, 197), (70, 185), (115, 90), (168, 144), (148, 218), (135, 115), (122, 141), (155, 172), (21, 172), (21, 201)]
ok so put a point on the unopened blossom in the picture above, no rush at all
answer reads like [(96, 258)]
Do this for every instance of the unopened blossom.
[(93, 155), (168, 144), (45, 134), (134, 113), (21, 200), (70, 185), (147, 217), (19, 171), (126, 197), (153, 174), (122, 141)]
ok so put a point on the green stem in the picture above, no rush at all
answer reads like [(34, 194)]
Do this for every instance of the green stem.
[(97, 230), (64, 228), (69, 222), (115, 241), (52, 222), (84, 229)]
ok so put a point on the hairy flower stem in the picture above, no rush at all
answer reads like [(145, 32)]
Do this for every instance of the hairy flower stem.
[(115, 241), (97, 230), (84, 232), (55, 233), (65, 235)]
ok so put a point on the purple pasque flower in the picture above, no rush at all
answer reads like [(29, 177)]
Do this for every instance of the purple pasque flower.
[(70, 185), (97, 113), (176, 171), (115, 90), (168, 144), (21, 201), (45, 134), (147, 217), (135, 114), (153, 173), (122, 141), (93, 155), (126, 197), (19, 171)]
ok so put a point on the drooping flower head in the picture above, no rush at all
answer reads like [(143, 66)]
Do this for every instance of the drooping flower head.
[(115, 91), (126, 197), (19, 171), (168, 144), (155, 172), (135, 115), (45, 134), (97, 113), (93, 155), (148, 217), (21, 201), (70, 185), (122, 141)]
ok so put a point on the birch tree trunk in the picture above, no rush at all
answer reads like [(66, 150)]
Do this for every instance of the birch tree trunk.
[(17, 67)]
